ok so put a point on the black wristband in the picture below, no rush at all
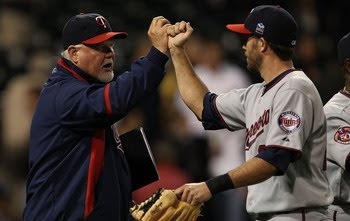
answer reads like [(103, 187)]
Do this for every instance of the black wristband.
[(220, 183)]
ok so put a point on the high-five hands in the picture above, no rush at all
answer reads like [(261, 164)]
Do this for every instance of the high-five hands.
[(179, 33), (165, 36), (157, 33)]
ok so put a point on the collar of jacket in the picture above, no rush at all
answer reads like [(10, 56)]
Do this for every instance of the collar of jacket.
[(68, 66)]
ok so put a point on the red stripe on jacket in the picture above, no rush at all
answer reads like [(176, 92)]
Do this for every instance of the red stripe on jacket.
[(107, 100), (64, 65), (95, 168)]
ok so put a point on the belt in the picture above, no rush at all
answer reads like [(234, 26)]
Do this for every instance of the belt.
[(302, 211)]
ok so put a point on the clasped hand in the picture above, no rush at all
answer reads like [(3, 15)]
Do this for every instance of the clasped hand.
[(178, 34), (164, 36)]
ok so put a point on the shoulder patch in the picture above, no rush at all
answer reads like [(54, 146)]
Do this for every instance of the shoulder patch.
[(289, 121), (342, 135)]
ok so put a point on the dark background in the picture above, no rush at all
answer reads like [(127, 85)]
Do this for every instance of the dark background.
[(30, 44)]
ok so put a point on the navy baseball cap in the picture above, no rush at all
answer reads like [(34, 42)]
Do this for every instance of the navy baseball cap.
[(273, 23), (343, 49), (88, 28)]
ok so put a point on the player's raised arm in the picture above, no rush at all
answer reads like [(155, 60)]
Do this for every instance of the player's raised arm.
[(192, 89)]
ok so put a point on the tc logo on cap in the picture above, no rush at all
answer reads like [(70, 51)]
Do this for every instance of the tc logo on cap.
[(101, 21), (260, 27)]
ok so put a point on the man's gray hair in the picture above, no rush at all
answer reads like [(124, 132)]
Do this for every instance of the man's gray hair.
[(65, 53)]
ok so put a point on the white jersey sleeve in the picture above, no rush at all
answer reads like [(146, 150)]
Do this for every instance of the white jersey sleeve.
[(289, 129), (231, 107), (338, 139)]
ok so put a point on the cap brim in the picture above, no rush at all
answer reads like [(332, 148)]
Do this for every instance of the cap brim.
[(105, 36), (238, 28)]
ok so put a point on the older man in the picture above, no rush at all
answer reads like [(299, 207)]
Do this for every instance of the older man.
[(77, 169)]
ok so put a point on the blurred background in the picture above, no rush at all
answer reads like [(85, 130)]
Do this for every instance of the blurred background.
[(30, 45)]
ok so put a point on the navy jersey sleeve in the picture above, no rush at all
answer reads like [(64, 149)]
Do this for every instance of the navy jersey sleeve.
[(210, 118), (280, 158), (84, 106), (130, 87)]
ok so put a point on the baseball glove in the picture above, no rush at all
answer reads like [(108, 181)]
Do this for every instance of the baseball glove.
[(163, 205)]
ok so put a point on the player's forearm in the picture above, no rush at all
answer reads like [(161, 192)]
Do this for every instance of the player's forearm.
[(192, 89), (252, 172)]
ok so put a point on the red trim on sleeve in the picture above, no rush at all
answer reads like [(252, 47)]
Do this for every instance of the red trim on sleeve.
[(107, 100), (95, 168), (261, 148), (218, 113), (335, 216), (282, 147), (65, 66), (287, 148)]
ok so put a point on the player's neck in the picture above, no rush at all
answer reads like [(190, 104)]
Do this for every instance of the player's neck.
[(273, 68)]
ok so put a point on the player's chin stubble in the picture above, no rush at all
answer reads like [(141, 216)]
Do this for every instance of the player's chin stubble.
[(254, 63)]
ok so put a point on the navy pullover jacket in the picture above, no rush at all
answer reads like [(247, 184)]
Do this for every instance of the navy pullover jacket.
[(76, 171)]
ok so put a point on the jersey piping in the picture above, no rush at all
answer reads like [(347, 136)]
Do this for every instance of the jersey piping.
[(277, 79)]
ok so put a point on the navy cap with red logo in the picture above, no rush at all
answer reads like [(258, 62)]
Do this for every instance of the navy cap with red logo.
[(343, 49), (271, 22), (90, 28)]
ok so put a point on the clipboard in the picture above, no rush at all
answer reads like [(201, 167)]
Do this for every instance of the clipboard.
[(140, 159)]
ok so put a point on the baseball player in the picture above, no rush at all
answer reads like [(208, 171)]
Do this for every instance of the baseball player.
[(285, 168), (338, 139), (77, 169)]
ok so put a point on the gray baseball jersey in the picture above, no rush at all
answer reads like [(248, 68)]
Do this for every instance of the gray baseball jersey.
[(337, 112), (286, 113)]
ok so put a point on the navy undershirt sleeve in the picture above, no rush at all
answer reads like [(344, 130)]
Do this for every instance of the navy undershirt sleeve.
[(210, 118), (278, 157)]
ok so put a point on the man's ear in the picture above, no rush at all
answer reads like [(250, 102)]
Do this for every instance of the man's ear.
[(263, 44), (73, 53)]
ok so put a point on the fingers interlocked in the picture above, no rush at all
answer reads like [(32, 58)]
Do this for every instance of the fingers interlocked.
[(178, 27)]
